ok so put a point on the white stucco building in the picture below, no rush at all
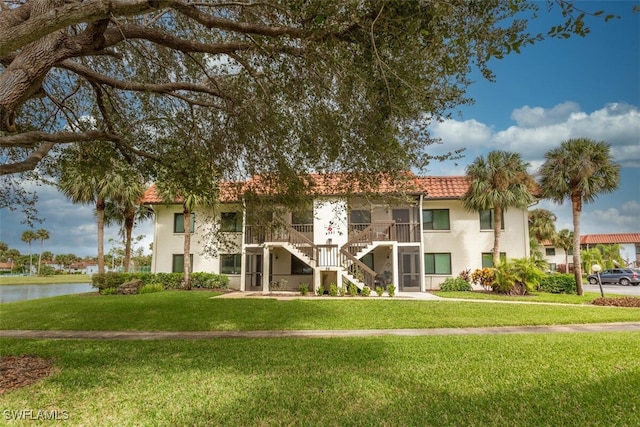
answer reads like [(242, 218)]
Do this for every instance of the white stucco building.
[(414, 244)]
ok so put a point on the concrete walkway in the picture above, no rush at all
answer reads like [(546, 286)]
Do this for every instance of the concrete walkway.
[(164, 335)]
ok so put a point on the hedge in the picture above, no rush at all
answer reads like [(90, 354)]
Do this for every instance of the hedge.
[(167, 280)]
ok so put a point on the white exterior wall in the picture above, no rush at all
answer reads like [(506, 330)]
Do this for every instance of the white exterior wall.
[(166, 243), (466, 242)]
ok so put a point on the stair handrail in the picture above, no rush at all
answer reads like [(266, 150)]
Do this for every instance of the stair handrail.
[(369, 274), (302, 243)]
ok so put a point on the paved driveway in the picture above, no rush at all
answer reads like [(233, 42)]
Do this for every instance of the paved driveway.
[(613, 289)]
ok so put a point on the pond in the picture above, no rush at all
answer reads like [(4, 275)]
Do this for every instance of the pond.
[(10, 293)]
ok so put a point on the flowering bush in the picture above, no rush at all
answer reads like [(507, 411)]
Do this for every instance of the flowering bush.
[(483, 277)]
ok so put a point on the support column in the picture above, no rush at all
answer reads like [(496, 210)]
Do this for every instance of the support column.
[(266, 267)]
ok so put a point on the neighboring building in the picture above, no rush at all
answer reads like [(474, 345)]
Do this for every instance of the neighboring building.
[(629, 249), (414, 244), (629, 245)]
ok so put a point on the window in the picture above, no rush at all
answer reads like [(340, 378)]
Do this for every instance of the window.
[(178, 223), (553, 266), (230, 263), (230, 222), (437, 263), (435, 219), (487, 220), (487, 259), (360, 216), (299, 267), (178, 263), (550, 251), (302, 218)]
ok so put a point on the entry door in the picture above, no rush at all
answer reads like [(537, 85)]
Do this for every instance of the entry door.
[(409, 266)]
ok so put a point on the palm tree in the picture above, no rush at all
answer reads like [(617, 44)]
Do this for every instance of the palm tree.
[(564, 239), (611, 256), (499, 182), (542, 225), (125, 208), (41, 235), (28, 237), (93, 187), (579, 170)]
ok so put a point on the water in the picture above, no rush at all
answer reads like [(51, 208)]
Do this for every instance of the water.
[(10, 293)]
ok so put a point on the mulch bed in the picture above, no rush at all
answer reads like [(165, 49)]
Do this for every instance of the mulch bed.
[(618, 302), (21, 371)]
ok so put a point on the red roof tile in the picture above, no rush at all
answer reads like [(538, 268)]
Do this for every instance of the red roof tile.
[(434, 187), (444, 187), (594, 239)]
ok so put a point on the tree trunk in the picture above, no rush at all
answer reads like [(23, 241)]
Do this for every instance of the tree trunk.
[(129, 221), (100, 206), (187, 249), (40, 256), (576, 207), (497, 228)]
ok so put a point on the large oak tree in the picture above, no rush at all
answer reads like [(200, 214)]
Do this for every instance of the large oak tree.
[(283, 86)]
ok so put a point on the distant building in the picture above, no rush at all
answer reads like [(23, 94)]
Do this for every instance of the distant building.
[(629, 249)]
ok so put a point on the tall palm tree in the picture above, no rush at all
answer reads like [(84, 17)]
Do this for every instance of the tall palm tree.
[(564, 239), (28, 237), (579, 170), (86, 188), (124, 207), (41, 235), (499, 182)]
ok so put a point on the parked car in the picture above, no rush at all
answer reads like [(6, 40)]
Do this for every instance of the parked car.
[(624, 276)]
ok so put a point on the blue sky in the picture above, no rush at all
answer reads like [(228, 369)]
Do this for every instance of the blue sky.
[(552, 91)]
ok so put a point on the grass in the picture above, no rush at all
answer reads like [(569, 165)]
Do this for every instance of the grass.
[(199, 311), (516, 380), (44, 280)]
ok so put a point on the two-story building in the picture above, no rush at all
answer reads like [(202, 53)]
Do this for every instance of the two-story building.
[(413, 242)]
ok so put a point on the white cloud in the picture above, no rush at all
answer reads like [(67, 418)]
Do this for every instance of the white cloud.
[(538, 130)]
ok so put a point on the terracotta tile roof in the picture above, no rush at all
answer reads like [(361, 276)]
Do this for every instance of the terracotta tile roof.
[(229, 193), (594, 239), (434, 187), (444, 187)]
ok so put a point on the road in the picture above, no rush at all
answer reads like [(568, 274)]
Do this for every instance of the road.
[(613, 289)]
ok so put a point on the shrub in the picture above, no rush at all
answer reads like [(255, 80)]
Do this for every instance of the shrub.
[(366, 291), (483, 277), (111, 279), (209, 281), (333, 289), (558, 284), (320, 290), (342, 291), (466, 275), (303, 288), (456, 284), (391, 290), (379, 290), (151, 288), (517, 277), (352, 289), (109, 291)]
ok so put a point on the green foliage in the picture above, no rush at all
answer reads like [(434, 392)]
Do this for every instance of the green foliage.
[(342, 290), (391, 290), (465, 275), (379, 290), (109, 291), (516, 277), (151, 288), (320, 290), (366, 291), (352, 289), (455, 284), (558, 284), (167, 280), (303, 289), (333, 290)]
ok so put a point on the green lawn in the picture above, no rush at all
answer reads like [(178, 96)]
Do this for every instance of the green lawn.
[(568, 379), (199, 311), (533, 297), (44, 280), (499, 380)]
